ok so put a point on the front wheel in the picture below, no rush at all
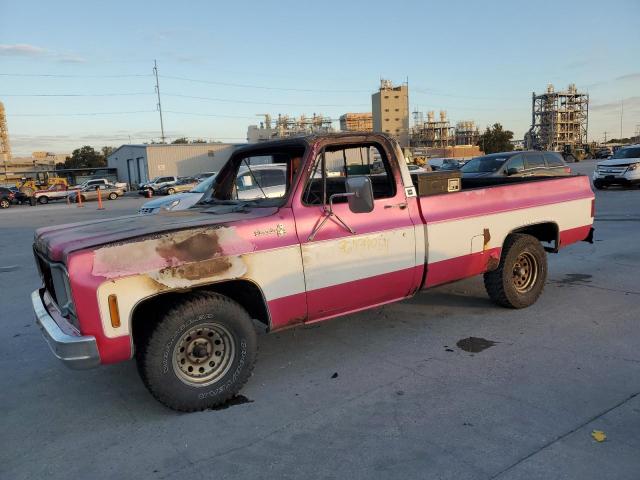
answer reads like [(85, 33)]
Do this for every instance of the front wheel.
[(519, 279), (199, 354), (43, 200), (598, 184), (4, 203), (113, 196), (171, 191)]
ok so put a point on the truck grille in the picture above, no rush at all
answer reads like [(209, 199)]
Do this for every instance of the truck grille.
[(56, 281), (612, 169)]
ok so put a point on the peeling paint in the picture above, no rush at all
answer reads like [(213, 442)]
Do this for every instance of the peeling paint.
[(166, 252)]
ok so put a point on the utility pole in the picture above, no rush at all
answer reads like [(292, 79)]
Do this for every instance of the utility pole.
[(155, 72), (621, 115), (605, 137)]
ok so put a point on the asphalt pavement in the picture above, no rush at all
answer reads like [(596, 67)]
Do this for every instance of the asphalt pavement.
[(395, 392)]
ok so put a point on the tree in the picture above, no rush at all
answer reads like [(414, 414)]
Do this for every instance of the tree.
[(85, 157), (181, 140), (495, 139), (106, 151), (199, 140)]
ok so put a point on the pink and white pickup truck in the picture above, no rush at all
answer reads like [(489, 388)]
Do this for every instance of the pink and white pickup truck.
[(182, 292)]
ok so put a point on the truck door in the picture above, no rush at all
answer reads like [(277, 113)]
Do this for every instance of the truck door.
[(354, 260)]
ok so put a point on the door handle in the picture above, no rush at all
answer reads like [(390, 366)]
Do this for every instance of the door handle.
[(401, 206)]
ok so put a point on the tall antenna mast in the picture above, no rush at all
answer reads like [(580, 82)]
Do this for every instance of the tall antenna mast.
[(155, 72)]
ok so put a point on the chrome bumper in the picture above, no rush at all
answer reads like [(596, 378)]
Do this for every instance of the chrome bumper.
[(75, 351)]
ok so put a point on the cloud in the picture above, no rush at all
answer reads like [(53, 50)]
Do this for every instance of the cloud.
[(629, 76), (32, 51), (22, 50), (630, 103)]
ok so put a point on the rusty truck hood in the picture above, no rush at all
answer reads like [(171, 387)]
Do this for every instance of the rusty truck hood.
[(57, 242)]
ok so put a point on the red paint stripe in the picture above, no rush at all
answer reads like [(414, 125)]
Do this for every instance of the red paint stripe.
[(573, 235), (457, 268), (288, 311), (358, 294), (487, 201)]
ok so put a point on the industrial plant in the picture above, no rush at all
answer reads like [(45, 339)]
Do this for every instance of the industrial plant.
[(559, 120)]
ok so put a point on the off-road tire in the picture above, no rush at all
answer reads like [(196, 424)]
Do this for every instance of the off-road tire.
[(4, 203), (504, 285), (113, 196), (43, 200), (158, 350)]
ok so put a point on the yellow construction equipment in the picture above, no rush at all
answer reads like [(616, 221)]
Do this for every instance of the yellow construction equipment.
[(40, 181)]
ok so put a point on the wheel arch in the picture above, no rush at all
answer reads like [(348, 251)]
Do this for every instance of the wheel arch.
[(245, 292), (548, 232)]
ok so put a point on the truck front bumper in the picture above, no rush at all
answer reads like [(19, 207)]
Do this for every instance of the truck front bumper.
[(75, 351)]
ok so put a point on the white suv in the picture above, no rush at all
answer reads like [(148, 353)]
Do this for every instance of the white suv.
[(621, 169)]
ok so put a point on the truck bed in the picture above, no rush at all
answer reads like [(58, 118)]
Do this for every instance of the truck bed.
[(466, 229)]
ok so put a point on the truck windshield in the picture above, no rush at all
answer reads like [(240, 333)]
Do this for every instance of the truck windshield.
[(630, 152), (486, 164), (259, 176)]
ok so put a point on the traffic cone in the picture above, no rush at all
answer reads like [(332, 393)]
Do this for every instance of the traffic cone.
[(100, 207)]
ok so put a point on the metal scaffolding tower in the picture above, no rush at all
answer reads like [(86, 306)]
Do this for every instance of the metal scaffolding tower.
[(558, 119)]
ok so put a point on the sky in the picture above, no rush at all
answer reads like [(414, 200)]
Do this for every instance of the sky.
[(80, 73)]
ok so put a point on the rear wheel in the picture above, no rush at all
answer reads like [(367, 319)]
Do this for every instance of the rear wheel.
[(519, 279), (4, 203), (200, 353), (113, 196), (43, 200)]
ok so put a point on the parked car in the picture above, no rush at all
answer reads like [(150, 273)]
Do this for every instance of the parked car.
[(156, 184), (446, 163), (516, 164), (181, 293), (203, 175), (623, 168), (107, 192), (54, 192), (179, 201), (102, 181), (6, 197), (271, 177), (183, 184), (21, 197), (603, 152), (417, 168)]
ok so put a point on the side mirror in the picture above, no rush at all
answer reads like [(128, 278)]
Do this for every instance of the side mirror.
[(360, 194), (512, 171)]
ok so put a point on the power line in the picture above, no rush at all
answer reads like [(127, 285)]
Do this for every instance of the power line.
[(74, 94), (54, 75), (78, 114), (262, 87), (251, 102)]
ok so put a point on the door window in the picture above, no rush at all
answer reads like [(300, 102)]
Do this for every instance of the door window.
[(535, 160), (553, 160), (338, 162), (515, 164)]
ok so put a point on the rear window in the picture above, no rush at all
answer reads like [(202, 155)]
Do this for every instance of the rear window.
[(629, 152), (485, 164), (553, 160)]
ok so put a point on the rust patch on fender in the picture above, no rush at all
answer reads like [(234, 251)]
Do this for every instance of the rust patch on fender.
[(487, 238), (199, 247), (198, 270), (492, 263)]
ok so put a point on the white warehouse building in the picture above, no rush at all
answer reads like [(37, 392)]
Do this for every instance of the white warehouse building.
[(140, 163)]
